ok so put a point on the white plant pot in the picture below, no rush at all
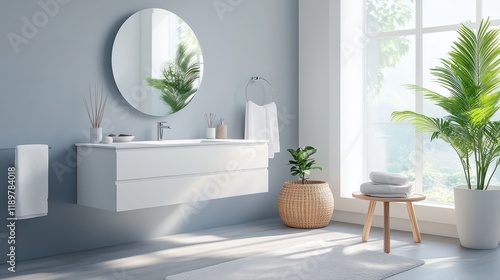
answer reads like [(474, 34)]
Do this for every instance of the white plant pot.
[(478, 217)]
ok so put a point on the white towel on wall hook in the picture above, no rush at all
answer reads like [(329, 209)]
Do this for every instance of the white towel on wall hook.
[(32, 181)]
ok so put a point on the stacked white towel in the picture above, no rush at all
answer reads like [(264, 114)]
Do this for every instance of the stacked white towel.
[(384, 184), (388, 178)]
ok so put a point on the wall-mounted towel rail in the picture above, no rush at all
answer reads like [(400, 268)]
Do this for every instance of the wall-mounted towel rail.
[(256, 79)]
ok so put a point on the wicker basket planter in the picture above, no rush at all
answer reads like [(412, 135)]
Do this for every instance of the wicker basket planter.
[(305, 206)]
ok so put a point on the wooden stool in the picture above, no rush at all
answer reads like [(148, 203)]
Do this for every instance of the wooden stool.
[(371, 208)]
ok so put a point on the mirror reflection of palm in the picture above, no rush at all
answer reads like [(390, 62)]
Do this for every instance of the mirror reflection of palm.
[(178, 84)]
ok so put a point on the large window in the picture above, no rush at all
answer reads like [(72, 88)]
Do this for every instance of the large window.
[(386, 44)]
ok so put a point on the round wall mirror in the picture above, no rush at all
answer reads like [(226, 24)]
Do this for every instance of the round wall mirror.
[(157, 62)]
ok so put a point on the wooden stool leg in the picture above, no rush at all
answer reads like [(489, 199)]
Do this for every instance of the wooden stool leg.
[(413, 222), (368, 221), (387, 228)]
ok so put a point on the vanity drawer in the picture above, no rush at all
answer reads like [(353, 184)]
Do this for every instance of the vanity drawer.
[(159, 162), (138, 194)]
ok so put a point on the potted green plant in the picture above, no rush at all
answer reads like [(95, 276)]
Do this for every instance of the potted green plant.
[(305, 203), (471, 75)]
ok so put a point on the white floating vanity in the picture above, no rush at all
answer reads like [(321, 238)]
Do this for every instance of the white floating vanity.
[(143, 174)]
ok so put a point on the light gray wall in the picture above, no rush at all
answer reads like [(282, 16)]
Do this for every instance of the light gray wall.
[(44, 81)]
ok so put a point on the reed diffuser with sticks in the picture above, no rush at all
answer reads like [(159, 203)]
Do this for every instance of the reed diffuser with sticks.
[(95, 105)]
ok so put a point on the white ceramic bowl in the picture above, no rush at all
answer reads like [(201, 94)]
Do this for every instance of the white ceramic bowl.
[(123, 138)]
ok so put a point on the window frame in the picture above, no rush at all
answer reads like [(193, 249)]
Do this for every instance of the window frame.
[(436, 218), (418, 32), (320, 84)]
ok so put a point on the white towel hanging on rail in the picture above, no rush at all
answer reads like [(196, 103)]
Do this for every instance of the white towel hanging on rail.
[(272, 127), (32, 174), (261, 123)]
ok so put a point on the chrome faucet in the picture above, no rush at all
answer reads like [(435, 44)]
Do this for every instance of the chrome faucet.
[(159, 132)]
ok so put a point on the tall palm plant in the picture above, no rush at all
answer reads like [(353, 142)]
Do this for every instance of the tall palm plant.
[(471, 75), (179, 77)]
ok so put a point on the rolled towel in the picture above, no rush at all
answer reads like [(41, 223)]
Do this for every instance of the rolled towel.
[(384, 190), (388, 178)]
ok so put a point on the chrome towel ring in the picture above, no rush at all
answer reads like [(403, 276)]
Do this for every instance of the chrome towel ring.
[(256, 79)]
